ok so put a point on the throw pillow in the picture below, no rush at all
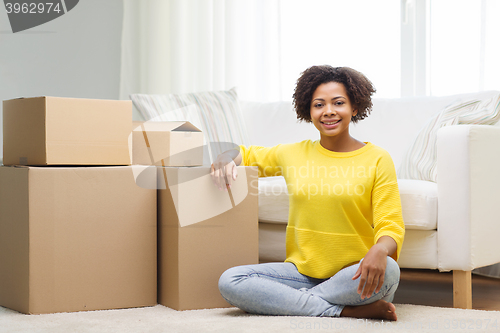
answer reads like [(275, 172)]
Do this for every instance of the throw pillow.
[(216, 113), (420, 161)]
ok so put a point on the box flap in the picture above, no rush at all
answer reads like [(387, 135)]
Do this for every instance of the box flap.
[(168, 143), (190, 185), (18, 98), (187, 127), (164, 126)]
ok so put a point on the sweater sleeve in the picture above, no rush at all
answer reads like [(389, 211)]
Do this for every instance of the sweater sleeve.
[(386, 204), (267, 159)]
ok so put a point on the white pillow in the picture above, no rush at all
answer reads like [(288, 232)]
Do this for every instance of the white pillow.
[(421, 158), (216, 113)]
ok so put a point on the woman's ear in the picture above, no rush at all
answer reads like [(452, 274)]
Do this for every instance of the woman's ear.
[(354, 113)]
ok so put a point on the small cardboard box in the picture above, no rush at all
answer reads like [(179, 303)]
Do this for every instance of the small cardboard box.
[(202, 232), (74, 239), (166, 143), (66, 131)]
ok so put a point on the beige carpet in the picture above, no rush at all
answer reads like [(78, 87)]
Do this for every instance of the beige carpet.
[(411, 318)]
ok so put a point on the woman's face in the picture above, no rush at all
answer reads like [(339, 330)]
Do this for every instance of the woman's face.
[(331, 109)]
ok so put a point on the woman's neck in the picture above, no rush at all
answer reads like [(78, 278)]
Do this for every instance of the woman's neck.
[(340, 144)]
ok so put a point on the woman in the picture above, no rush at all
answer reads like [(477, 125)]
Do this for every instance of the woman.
[(345, 227)]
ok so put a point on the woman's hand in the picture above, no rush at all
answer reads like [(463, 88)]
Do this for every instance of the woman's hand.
[(372, 268), (224, 169)]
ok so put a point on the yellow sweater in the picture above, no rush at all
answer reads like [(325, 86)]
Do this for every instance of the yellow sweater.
[(340, 203)]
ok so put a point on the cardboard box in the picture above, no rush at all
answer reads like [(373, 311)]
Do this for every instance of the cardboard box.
[(202, 232), (66, 131), (166, 143), (74, 239)]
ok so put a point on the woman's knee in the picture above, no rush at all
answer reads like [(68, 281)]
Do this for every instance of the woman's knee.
[(229, 279), (392, 271)]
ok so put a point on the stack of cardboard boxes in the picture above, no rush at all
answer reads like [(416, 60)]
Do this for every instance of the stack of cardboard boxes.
[(97, 212)]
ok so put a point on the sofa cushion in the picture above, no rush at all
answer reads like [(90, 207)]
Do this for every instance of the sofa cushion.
[(419, 248), (418, 202)]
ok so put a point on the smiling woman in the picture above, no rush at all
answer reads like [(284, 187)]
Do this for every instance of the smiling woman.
[(358, 89), (331, 114), (330, 98), (343, 234)]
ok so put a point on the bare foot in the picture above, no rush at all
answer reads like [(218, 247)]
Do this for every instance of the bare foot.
[(376, 310)]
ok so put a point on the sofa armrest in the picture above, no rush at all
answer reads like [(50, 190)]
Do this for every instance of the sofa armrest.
[(468, 167)]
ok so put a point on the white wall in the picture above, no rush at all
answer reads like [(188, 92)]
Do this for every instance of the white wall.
[(75, 55)]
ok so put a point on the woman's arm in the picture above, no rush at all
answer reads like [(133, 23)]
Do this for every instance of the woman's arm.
[(267, 159), (224, 169), (372, 268), (388, 227)]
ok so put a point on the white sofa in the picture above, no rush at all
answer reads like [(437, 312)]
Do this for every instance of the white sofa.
[(453, 224)]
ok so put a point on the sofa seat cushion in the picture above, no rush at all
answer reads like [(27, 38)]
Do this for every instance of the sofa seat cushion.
[(273, 200), (418, 202), (419, 248)]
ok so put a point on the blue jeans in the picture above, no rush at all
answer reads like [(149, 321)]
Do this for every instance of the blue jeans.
[(279, 289)]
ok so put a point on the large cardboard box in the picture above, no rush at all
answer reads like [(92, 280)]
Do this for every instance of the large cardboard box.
[(166, 143), (202, 232), (74, 239), (66, 131)]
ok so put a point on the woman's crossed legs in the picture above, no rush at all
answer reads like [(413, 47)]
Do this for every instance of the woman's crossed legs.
[(279, 289)]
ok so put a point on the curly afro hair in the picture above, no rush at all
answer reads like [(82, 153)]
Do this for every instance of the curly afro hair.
[(359, 89)]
